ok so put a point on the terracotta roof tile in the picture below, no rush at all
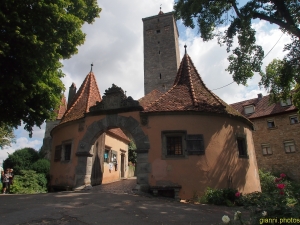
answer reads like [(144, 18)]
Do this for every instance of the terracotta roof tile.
[(150, 97), (117, 132), (189, 93), (62, 108), (87, 96), (263, 107)]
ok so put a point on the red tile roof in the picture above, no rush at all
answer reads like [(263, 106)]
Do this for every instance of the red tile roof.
[(189, 93), (118, 133), (87, 96), (62, 108), (150, 97), (262, 106)]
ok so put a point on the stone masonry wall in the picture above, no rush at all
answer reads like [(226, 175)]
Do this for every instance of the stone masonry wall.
[(278, 160), (161, 52)]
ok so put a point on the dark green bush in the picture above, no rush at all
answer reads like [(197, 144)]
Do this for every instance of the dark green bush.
[(21, 159), (41, 166), (29, 182), (224, 196)]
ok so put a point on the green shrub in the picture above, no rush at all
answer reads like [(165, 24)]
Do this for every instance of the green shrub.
[(29, 182), (279, 198), (41, 166), (224, 196)]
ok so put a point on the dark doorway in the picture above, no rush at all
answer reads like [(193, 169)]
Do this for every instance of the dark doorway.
[(122, 165)]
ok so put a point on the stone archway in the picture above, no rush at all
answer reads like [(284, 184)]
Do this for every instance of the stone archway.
[(85, 148)]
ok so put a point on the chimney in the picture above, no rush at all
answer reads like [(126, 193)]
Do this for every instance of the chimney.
[(72, 92), (259, 96)]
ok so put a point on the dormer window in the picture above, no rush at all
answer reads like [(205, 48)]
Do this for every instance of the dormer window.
[(286, 102), (249, 109)]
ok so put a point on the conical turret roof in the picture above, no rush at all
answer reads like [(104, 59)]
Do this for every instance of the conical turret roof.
[(87, 96), (189, 93), (62, 108)]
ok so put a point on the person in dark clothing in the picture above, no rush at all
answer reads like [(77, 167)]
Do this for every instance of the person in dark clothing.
[(6, 181)]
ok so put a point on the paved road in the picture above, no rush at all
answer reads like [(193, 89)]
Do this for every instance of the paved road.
[(105, 204)]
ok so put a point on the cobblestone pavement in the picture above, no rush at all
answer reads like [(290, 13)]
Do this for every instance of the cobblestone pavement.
[(122, 186), (111, 204)]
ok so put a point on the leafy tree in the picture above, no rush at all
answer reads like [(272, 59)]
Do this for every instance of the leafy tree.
[(247, 57), (21, 159), (34, 37), (41, 166), (7, 135), (131, 152)]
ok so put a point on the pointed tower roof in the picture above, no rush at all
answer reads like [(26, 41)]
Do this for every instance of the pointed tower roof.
[(62, 108), (189, 93), (87, 96)]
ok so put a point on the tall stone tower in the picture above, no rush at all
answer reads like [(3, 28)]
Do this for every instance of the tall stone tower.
[(161, 52)]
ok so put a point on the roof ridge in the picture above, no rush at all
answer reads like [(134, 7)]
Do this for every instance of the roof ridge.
[(77, 95)]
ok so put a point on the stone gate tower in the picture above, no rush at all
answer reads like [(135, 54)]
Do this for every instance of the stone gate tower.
[(161, 52)]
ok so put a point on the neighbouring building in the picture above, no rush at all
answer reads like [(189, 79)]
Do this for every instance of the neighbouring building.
[(276, 134)]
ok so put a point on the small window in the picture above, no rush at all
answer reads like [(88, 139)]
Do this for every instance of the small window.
[(266, 149), (286, 102), (294, 119), (67, 152), (249, 109), (158, 52), (158, 42), (160, 76), (106, 155), (289, 146), (271, 123), (195, 144), (173, 144), (242, 147), (157, 31), (114, 157)]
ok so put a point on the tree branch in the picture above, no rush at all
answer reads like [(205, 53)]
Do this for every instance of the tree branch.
[(284, 12), (236, 9), (292, 29)]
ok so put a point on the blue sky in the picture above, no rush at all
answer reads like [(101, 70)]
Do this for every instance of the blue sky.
[(114, 43)]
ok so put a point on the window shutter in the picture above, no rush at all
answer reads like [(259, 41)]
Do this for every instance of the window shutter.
[(57, 155), (195, 144)]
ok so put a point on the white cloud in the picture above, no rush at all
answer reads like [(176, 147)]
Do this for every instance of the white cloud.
[(21, 142)]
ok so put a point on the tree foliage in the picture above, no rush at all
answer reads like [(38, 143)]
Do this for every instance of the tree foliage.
[(132, 152), (41, 166), (34, 37), (7, 135), (29, 182), (247, 57), (21, 159)]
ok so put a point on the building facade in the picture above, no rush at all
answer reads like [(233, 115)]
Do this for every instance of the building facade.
[(276, 134)]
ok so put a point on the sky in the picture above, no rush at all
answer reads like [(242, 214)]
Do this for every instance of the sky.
[(114, 44)]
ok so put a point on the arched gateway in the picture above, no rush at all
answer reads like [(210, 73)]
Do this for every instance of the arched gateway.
[(79, 141), (85, 147)]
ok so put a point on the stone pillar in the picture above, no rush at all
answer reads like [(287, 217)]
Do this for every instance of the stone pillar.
[(142, 170), (83, 172)]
